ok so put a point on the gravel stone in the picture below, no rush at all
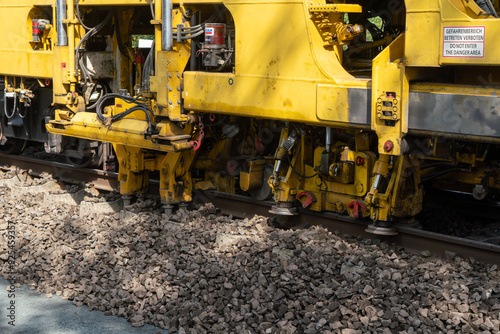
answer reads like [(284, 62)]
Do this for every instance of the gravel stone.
[(198, 271)]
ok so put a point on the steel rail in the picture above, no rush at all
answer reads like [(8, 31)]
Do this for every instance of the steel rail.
[(412, 239), (244, 207), (102, 180)]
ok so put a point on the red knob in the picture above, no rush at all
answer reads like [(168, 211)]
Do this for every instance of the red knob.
[(388, 146)]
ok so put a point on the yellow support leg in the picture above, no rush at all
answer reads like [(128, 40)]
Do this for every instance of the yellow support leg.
[(175, 178), (133, 176)]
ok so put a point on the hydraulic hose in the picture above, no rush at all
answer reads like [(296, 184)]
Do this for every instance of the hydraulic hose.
[(140, 106)]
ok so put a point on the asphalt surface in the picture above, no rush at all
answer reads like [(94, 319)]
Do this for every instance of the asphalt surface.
[(34, 313)]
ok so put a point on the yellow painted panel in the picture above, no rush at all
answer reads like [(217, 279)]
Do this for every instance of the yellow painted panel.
[(278, 39), (278, 48), (425, 35), (17, 56), (273, 98), (423, 39), (332, 103), (250, 96), (114, 2)]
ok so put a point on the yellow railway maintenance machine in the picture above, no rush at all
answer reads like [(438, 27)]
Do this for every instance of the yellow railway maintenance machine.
[(342, 106)]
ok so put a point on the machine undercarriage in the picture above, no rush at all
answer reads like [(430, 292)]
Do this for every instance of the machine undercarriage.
[(352, 107)]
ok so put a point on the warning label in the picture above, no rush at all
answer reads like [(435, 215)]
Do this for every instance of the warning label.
[(463, 42)]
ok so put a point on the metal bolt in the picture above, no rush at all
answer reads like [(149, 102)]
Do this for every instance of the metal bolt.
[(170, 75), (178, 75), (169, 101)]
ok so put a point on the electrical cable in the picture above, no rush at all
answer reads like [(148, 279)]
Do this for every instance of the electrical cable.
[(148, 69), (92, 32), (14, 108), (152, 9), (79, 16), (326, 190), (293, 169)]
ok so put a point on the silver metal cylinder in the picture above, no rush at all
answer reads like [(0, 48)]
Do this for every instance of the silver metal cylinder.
[(62, 35), (328, 140), (167, 35), (376, 183), (192, 62)]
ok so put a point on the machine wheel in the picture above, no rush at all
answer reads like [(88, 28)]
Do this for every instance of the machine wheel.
[(83, 154), (13, 146), (263, 193)]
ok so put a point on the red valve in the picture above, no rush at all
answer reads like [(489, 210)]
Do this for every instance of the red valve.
[(197, 143), (310, 198), (388, 146), (355, 206), (360, 161)]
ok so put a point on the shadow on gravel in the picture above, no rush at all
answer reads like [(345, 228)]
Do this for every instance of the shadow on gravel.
[(36, 314)]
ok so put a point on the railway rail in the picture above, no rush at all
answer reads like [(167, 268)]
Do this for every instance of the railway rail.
[(410, 238)]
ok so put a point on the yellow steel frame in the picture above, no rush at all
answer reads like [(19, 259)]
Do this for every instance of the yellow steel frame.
[(289, 69)]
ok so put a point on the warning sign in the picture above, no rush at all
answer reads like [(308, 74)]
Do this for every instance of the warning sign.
[(463, 42)]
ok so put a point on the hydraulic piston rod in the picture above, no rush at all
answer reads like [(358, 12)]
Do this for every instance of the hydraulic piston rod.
[(166, 29), (62, 35)]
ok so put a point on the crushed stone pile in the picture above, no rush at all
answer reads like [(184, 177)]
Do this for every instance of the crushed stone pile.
[(203, 272)]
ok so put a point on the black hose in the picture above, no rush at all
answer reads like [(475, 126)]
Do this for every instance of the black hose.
[(438, 164), (105, 90), (119, 38), (441, 173), (293, 169), (79, 17), (140, 106), (92, 32), (185, 37)]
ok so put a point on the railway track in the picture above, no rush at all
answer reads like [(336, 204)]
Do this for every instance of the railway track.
[(410, 238)]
